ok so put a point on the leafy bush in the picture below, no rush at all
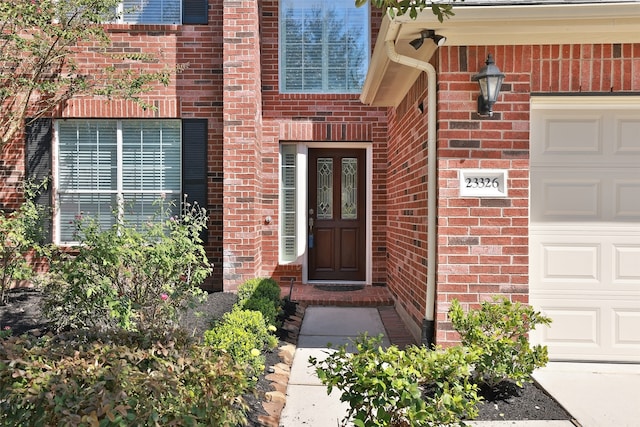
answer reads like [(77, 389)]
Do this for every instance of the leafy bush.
[(127, 276), (5, 332), (263, 295), (266, 307), (22, 234), (118, 380), (242, 334), (500, 331), (259, 288), (401, 388)]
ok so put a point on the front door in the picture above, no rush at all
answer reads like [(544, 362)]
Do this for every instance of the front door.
[(337, 216)]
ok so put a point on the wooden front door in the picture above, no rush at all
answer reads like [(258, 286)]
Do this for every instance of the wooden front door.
[(337, 215)]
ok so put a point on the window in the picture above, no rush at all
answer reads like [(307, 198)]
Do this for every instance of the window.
[(104, 165), (288, 201), (163, 11), (152, 11), (324, 46)]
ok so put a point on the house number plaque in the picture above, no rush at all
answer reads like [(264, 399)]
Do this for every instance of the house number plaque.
[(489, 183)]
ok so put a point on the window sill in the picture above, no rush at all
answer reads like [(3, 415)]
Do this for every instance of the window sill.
[(144, 28)]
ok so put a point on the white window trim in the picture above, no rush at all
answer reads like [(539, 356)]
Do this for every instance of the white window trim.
[(302, 206)]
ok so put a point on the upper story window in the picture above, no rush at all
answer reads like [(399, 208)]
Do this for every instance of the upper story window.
[(324, 46), (152, 11), (163, 11)]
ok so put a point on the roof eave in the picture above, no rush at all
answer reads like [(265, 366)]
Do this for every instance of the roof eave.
[(493, 25)]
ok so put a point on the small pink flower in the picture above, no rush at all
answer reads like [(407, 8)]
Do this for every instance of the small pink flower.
[(7, 328), (164, 297)]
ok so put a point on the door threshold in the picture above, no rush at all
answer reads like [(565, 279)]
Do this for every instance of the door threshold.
[(337, 283)]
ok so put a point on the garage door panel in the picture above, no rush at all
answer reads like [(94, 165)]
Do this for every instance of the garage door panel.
[(571, 198), (573, 135), (584, 232), (626, 261), (626, 328), (582, 195), (572, 263), (572, 326), (598, 328), (609, 137), (603, 261), (626, 136), (626, 199)]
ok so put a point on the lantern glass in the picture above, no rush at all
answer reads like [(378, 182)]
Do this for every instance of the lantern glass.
[(489, 79)]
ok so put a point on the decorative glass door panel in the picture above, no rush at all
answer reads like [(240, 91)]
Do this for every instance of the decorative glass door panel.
[(337, 228)]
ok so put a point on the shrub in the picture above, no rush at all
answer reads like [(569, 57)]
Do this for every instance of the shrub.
[(242, 334), (263, 295), (259, 288), (5, 332), (266, 307), (500, 332), (401, 388), (22, 234), (76, 380), (128, 276)]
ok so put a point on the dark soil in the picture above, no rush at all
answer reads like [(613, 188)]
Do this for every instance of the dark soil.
[(506, 402)]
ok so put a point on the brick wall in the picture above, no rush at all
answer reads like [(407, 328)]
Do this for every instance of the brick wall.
[(482, 243), (406, 230)]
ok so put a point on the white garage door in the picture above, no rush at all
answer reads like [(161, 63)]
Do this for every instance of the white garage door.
[(585, 226)]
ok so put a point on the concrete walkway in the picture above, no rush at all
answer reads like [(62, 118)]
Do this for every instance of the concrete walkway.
[(307, 401), (596, 395)]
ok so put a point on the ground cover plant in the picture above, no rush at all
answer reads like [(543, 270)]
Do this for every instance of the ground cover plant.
[(117, 353)]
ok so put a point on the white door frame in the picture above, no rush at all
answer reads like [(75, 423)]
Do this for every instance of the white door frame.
[(303, 206)]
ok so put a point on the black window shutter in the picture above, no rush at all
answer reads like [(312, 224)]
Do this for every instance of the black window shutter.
[(38, 162), (195, 11), (194, 162)]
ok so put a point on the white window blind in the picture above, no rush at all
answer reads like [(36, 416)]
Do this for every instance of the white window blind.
[(152, 11), (123, 166), (324, 46), (288, 197)]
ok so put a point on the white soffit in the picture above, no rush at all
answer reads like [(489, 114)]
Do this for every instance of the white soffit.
[(475, 25)]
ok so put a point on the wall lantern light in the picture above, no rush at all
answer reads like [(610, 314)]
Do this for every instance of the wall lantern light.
[(490, 79), (427, 34)]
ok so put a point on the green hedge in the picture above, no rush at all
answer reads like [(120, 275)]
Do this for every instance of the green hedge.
[(263, 295)]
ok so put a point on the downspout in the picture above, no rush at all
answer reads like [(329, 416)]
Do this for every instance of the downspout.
[(428, 323)]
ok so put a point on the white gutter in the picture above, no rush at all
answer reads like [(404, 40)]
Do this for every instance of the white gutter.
[(428, 326)]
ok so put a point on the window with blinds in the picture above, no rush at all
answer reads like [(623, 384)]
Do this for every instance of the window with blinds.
[(152, 11), (324, 46), (288, 201), (116, 169)]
